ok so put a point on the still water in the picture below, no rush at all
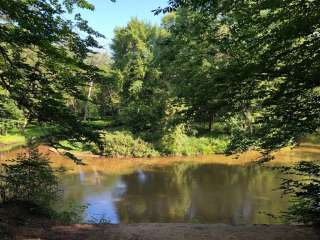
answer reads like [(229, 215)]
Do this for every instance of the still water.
[(215, 189), (211, 193)]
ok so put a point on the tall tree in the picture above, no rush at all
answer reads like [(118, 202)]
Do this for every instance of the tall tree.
[(189, 62), (143, 93)]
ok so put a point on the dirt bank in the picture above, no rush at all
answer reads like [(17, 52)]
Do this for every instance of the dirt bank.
[(155, 231), (20, 221)]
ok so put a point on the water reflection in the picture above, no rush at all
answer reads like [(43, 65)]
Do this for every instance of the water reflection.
[(213, 193), (207, 189)]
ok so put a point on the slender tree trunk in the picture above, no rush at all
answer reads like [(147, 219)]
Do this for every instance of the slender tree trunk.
[(248, 120), (211, 118), (87, 102), (25, 122)]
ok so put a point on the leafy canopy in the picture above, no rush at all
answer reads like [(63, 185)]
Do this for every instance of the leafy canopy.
[(272, 61), (42, 59)]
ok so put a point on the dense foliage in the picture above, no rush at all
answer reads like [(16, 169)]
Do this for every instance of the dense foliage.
[(42, 60), (142, 91), (123, 144), (249, 67), (268, 57)]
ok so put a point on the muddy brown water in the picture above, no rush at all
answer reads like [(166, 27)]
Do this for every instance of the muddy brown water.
[(208, 189)]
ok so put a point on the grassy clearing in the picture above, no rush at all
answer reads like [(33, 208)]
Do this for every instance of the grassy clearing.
[(190, 145)]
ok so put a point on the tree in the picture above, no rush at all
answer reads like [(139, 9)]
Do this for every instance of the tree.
[(143, 94), (273, 59), (93, 91), (272, 48), (305, 192), (42, 60), (189, 62)]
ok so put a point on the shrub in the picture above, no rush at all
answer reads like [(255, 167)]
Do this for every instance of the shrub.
[(74, 145), (29, 179), (30, 184), (304, 187), (123, 144), (179, 143)]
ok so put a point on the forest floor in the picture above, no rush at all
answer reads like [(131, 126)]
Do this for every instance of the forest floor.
[(169, 231)]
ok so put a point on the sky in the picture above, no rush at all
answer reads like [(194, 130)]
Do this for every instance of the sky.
[(108, 15)]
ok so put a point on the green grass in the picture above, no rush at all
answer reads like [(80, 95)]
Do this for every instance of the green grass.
[(10, 139), (99, 124), (9, 142), (119, 142), (33, 131), (16, 138), (312, 138), (78, 146), (190, 145)]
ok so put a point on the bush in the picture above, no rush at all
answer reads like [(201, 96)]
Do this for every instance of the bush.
[(73, 145), (30, 184), (29, 179), (179, 143), (304, 187), (123, 144), (7, 125)]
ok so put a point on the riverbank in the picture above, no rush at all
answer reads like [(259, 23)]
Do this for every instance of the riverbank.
[(96, 163), (169, 231), (24, 226), (119, 141), (20, 225)]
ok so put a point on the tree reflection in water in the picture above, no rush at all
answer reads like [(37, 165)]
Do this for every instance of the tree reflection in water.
[(183, 192)]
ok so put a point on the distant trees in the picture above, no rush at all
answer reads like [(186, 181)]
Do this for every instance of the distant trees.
[(237, 62), (95, 92)]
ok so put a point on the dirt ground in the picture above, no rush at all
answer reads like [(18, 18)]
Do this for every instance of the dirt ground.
[(157, 231), (17, 222)]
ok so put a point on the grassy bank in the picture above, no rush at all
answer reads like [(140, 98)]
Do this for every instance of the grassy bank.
[(121, 142), (118, 141), (11, 141), (17, 138)]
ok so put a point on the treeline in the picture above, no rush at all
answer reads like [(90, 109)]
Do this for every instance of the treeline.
[(247, 71), (153, 92)]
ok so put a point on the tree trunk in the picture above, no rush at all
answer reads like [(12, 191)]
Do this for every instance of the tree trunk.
[(211, 118), (87, 102)]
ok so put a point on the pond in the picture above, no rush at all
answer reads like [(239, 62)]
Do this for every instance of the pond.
[(211, 193), (213, 189)]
